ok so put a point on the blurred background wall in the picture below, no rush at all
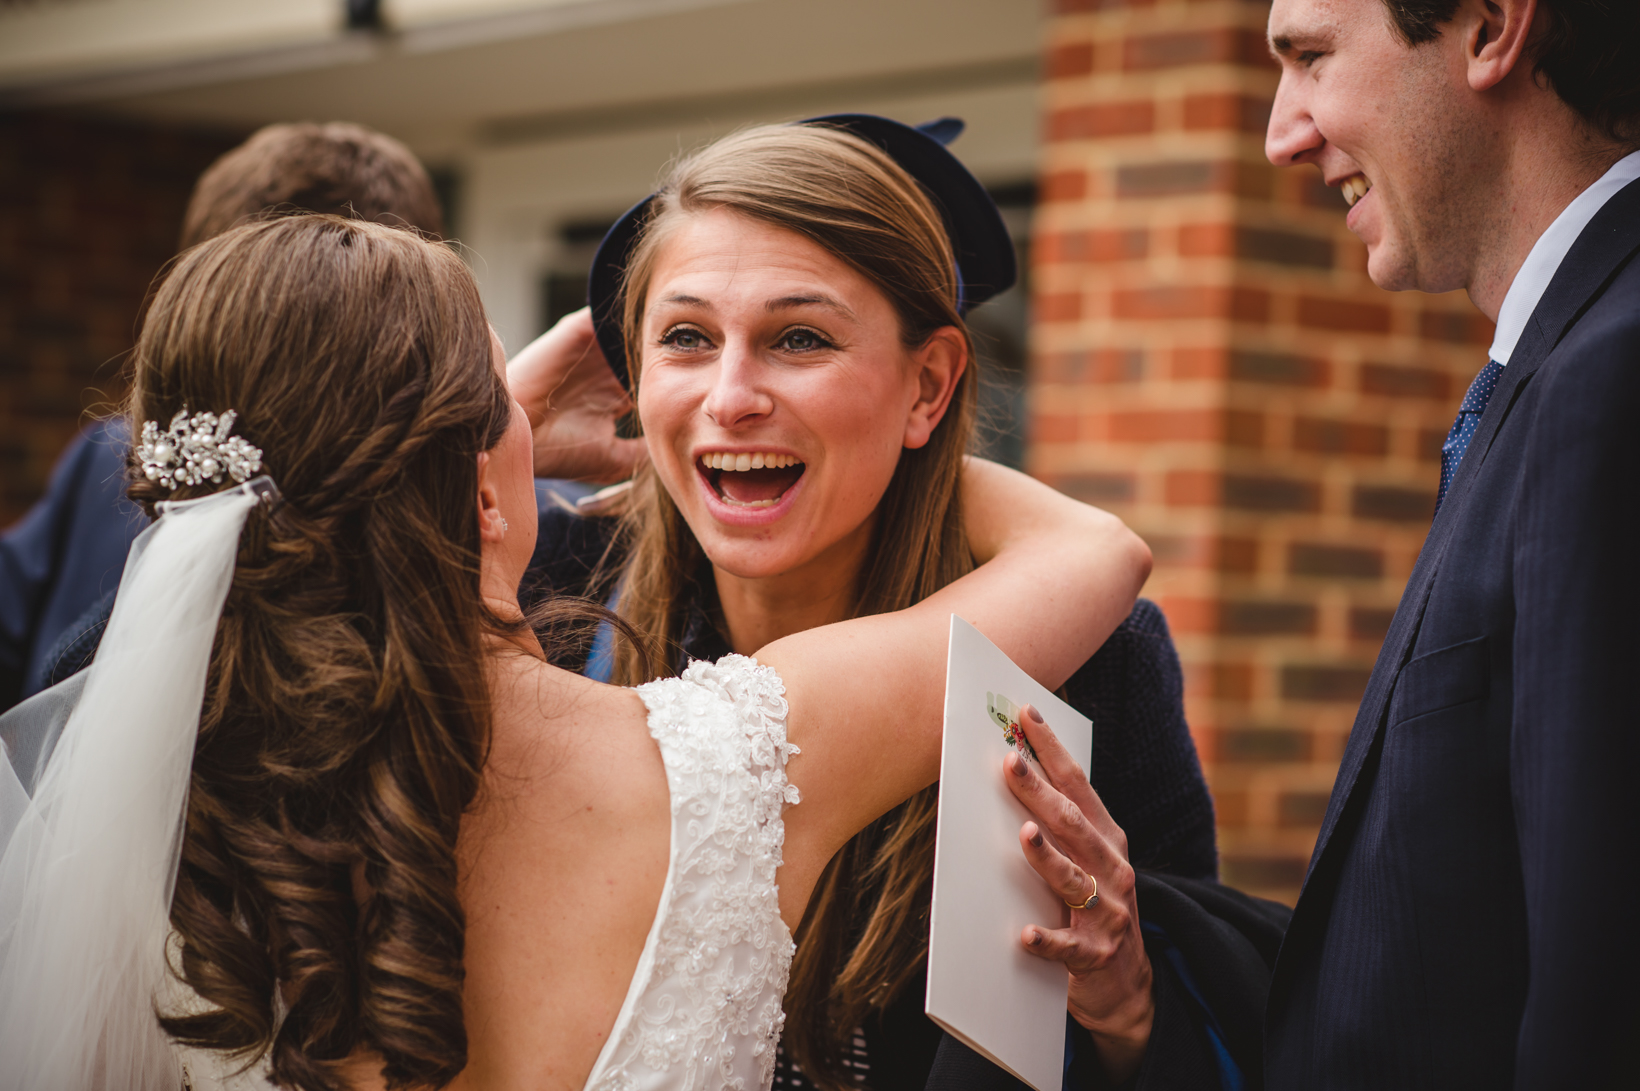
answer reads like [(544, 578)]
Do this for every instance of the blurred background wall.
[(1210, 361), (1196, 345)]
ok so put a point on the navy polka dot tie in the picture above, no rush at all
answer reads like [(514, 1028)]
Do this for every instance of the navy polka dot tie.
[(1463, 429)]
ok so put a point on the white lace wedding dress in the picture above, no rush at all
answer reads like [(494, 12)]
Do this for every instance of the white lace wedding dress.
[(704, 1007)]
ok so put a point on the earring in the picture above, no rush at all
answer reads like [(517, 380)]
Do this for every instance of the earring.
[(504, 526)]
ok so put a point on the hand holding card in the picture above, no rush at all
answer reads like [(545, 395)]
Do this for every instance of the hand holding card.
[(983, 986), (1081, 853)]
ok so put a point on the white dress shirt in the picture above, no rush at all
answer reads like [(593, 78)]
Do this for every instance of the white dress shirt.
[(1540, 266)]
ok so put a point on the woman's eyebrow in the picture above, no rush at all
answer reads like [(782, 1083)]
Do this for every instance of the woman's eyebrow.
[(787, 301), (686, 301)]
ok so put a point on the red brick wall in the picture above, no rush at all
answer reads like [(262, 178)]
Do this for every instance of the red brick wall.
[(89, 211), (1210, 361)]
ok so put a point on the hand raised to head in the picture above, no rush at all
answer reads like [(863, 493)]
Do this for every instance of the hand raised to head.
[(574, 402), (1080, 851)]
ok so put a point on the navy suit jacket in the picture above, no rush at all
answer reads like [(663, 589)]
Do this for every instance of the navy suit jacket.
[(1471, 917), (65, 555)]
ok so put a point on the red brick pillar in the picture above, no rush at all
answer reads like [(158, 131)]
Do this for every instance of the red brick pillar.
[(89, 212), (1211, 362)]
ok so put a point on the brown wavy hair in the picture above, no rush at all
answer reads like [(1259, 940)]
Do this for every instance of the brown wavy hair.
[(1585, 49), (338, 167), (345, 719), (865, 934)]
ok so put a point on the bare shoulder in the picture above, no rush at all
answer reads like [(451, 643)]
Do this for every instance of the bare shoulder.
[(535, 699), (552, 726), (563, 857)]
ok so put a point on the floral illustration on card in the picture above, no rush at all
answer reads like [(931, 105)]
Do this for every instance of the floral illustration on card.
[(1006, 716)]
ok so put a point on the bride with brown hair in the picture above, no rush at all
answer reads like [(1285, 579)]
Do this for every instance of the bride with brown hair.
[(321, 814)]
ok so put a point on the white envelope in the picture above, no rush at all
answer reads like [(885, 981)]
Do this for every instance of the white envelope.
[(982, 986)]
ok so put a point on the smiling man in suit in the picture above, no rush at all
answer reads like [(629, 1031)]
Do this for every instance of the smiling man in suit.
[(1470, 914)]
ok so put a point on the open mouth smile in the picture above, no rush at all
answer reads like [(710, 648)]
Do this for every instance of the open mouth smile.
[(750, 479)]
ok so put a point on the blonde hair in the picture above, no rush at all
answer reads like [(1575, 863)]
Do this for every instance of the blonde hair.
[(849, 197)]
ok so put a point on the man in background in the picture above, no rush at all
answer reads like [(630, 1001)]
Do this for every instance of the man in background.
[(67, 553)]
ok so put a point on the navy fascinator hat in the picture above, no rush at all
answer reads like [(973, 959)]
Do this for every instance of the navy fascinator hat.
[(979, 238)]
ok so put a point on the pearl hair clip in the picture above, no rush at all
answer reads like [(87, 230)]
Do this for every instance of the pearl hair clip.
[(195, 450)]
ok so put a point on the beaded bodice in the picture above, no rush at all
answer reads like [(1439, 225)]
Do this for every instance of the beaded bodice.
[(704, 1007)]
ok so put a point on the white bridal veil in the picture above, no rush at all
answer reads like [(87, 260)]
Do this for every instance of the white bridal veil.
[(91, 804)]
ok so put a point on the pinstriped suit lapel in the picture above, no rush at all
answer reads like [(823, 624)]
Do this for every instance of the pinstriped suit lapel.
[(1600, 253)]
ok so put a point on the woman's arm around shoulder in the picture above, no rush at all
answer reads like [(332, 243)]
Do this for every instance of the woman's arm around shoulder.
[(867, 695)]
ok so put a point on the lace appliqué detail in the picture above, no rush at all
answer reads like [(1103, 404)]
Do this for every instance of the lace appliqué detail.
[(704, 1010)]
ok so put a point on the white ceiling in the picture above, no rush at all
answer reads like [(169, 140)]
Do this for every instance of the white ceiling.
[(465, 73), (549, 111)]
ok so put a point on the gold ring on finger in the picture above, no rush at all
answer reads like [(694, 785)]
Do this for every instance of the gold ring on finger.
[(1093, 896)]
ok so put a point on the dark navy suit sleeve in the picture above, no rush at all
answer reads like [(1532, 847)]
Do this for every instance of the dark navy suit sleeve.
[(1576, 745), (1144, 764), (570, 549), (77, 646), (63, 556), (1211, 952)]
